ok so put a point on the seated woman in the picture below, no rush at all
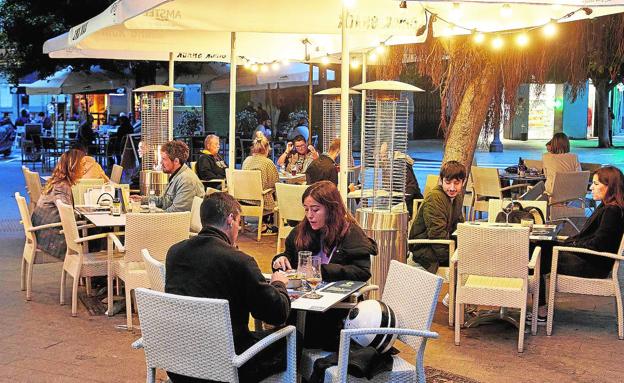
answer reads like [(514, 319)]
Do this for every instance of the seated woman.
[(258, 160), (90, 167), (65, 174), (330, 231), (558, 159), (602, 232)]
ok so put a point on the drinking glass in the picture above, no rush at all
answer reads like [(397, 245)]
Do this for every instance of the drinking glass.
[(302, 266), (507, 207), (313, 276)]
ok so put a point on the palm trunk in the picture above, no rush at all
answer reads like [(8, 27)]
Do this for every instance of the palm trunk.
[(601, 113), (465, 128)]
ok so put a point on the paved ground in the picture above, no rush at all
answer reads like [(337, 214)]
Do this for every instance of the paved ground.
[(41, 342)]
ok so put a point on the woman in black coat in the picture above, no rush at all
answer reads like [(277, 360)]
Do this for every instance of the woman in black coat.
[(602, 232), (329, 231)]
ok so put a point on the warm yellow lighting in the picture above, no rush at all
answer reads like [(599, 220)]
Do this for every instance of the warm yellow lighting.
[(247, 65), (285, 62), (380, 49), (264, 68), (275, 66), (479, 38), (522, 40), (550, 29), (325, 60), (506, 11), (497, 43), (355, 64), (254, 68), (448, 31), (348, 3), (372, 57), (456, 12)]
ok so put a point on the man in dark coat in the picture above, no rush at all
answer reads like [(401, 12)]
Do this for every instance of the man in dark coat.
[(210, 165), (210, 266), (324, 167)]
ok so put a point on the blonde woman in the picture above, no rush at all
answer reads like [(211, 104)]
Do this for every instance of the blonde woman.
[(559, 159), (66, 173), (258, 160)]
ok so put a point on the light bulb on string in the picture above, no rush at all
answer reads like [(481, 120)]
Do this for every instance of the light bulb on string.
[(372, 57), (505, 11), (549, 29), (247, 65), (264, 68), (254, 68), (275, 65), (522, 39), (355, 64), (381, 48), (456, 12), (324, 60), (497, 43), (348, 3), (479, 38)]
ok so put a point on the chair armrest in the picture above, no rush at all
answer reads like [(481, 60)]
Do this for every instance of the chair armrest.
[(581, 250), (116, 242), (288, 331), (267, 191), (137, 344), (192, 234), (91, 237), (448, 242), (455, 257), (86, 226), (364, 290), (568, 220), (515, 186), (46, 226), (535, 257)]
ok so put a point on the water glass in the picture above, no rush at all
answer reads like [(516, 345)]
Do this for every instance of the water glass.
[(313, 276)]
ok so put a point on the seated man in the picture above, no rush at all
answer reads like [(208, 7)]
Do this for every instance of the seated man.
[(299, 158), (210, 266), (438, 217), (210, 165), (183, 182), (324, 167)]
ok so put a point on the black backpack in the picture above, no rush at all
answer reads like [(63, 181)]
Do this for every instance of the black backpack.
[(519, 213)]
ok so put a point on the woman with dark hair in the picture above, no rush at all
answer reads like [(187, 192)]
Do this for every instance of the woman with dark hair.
[(602, 232), (66, 173), (330, 231), (558, 159)]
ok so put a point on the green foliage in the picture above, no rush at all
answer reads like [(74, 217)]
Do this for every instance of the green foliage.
[(190, 123), (246, 122)]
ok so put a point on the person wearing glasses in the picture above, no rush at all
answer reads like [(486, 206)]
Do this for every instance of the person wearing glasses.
[(298, 156)]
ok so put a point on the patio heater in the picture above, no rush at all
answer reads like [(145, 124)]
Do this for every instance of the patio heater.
[(155, 108), (383, 212)]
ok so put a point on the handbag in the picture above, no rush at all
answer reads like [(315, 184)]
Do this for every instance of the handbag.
[(518, 213)]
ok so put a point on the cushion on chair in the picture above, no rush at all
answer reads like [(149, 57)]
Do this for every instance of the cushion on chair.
[(481, 281)]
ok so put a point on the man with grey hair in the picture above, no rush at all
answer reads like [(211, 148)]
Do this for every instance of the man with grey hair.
[(183, 182), (209, 265), (210, 165)]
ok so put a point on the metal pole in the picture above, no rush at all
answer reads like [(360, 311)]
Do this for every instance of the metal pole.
[(171, 64), (232, 134), (363, 110), (310, 85), (344, 110)]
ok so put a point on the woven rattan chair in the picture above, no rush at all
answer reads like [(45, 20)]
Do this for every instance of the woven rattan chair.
[(156, 232), (193, 337), (534, 164), (568, 188), (414, 314), (492, 270), (32, 254), (289, 207), (33, 187), (486, 185), (607, 287), (82, 186), (116, 174), (155, 271), (247, 185), (78, 261), (196, 224)]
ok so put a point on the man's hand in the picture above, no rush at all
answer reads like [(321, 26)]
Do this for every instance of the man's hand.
[(313, 151), (279, 276), (282, 263), (289, 147), (135, 198)]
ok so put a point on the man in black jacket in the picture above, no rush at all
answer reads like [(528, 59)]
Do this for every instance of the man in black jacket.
[(324, 167), (210, 266), (210, 165)]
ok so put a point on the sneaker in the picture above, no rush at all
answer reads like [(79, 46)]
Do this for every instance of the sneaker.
[(445, 300), (269, 230), (541, 320)]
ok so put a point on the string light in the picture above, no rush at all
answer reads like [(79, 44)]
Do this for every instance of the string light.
[(355, 64), (247, 65), (497, 43), (505, 11), (264, 68), (254, 68), (479, 38), (348, 3), (325, 60), (522, 40), (549, 29), (372, 57), (275, 65), (456, 12), (381, 48)]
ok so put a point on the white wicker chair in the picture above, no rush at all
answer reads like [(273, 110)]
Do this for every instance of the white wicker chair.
[(33, 186), (78, 261), (116, 174), (196, 224), (607, 287), (568, 187), (194, 338), (32, 254), (486, 185), (143, 231), (79, 189), (414, 312), (155, 271), (289, 207), (492, 270), (247, 185)]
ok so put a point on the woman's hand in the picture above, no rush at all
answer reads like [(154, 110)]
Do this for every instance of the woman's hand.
[(282, 263)]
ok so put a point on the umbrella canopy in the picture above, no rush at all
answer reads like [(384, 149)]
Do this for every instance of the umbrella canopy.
[(66, 81)]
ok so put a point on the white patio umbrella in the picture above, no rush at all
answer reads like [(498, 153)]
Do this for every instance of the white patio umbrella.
[(266, 30), (67, 81)]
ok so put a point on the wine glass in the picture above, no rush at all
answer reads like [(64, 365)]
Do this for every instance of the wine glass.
[(302, 265), (507, 207), (313, 276)]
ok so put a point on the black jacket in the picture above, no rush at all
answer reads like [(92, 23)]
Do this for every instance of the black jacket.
[(351, 260), (322, 169), (209, 266), (602, 232), (207, 167)]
